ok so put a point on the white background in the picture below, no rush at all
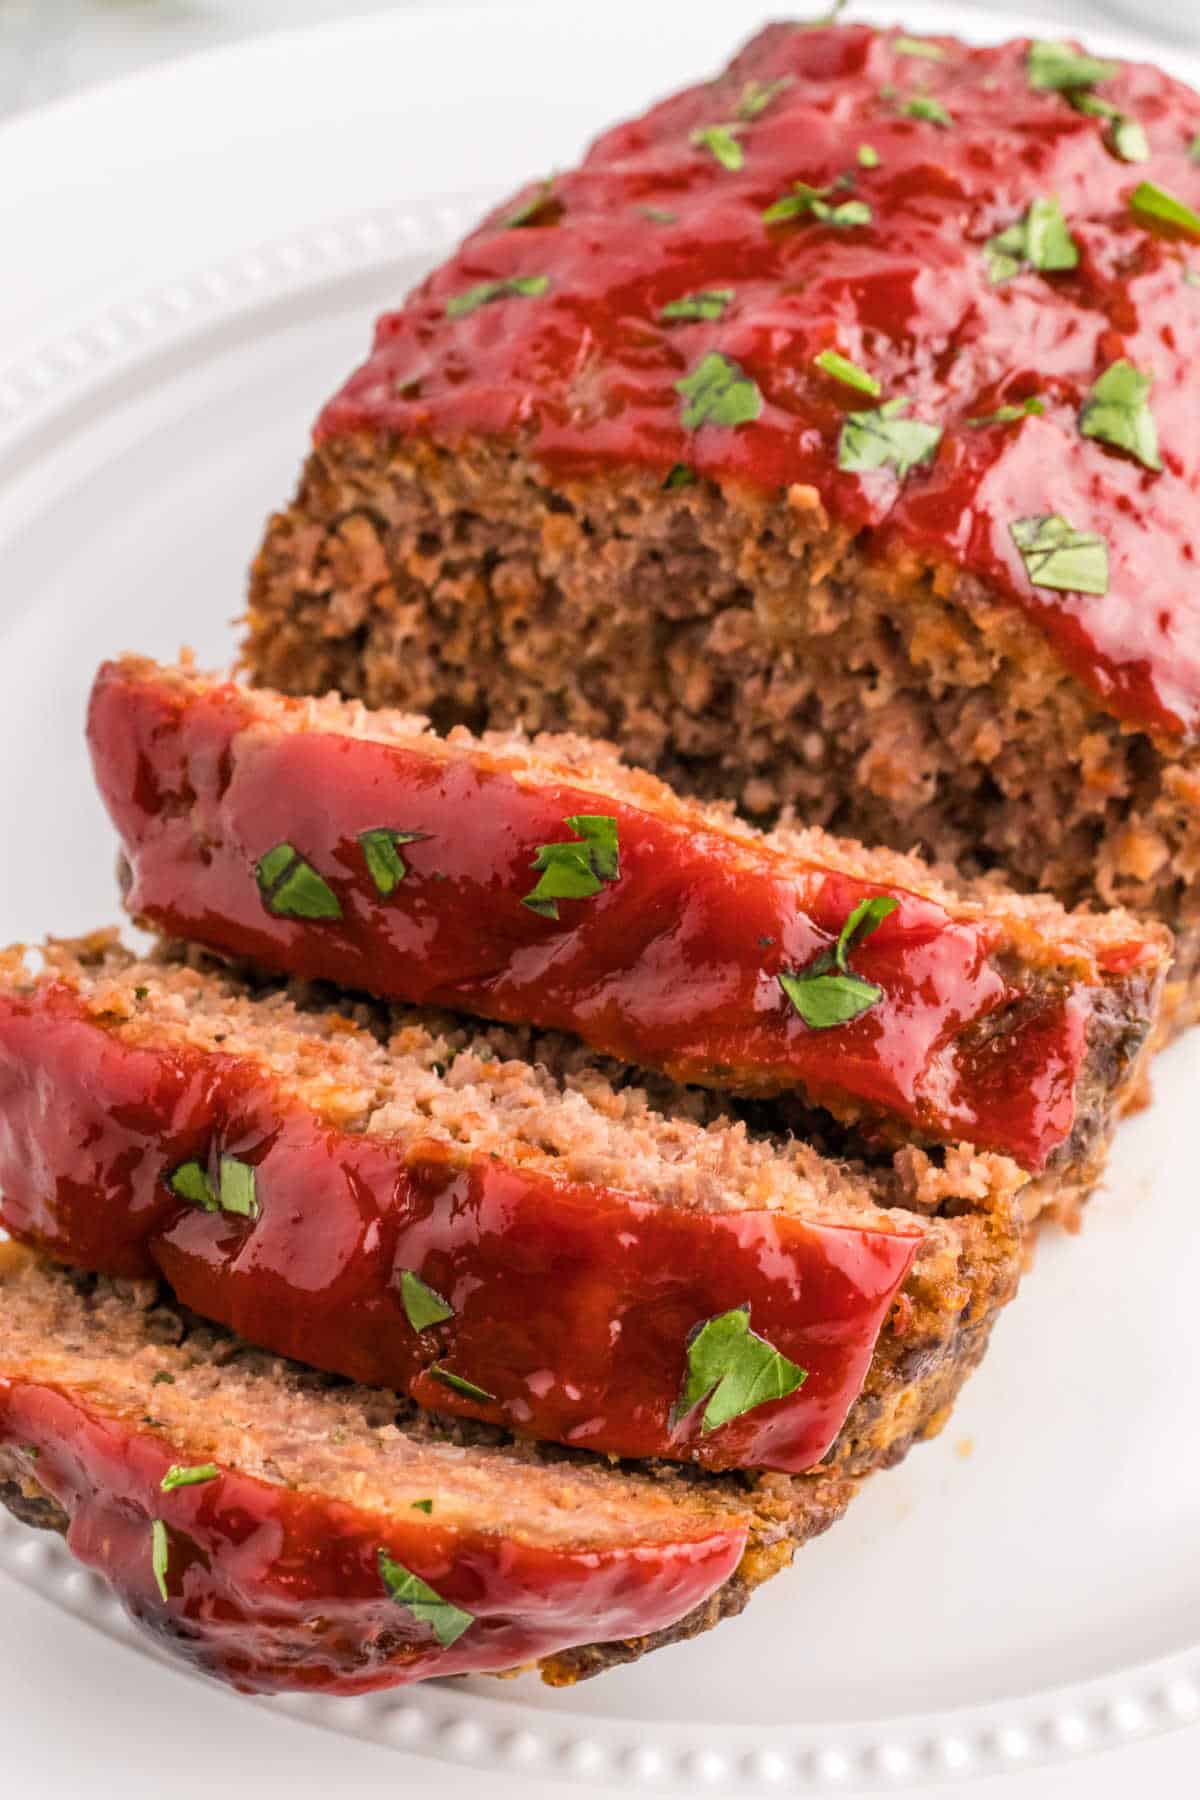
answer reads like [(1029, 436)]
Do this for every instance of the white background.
[(79, 1715)]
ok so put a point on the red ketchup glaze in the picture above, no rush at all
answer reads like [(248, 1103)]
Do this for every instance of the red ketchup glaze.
[(584, 374), (572, 1303), (273, 1589), (673, 965)]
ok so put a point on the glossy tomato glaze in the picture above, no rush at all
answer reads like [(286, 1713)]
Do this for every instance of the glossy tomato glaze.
[(674, 965), (572, 1303), (583, 375), (274, 1589)]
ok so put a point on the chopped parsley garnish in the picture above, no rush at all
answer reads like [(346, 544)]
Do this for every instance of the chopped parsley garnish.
[(179, 1475), (1006, 415), (756, 96), (868, 156), (190, 1181), (425, 1506), (811, 202), (461, 1385), (680, 476), (161, 1378), (875, 440), (529, 209), (160, 1555), (1056, 66), (1124, 136), (1040, 239), (1117, 411), (448, 1622), (578, 870), (513, 286), (924, 106), (718, 392), (1057, 556), (291, 888), (234, 1192), (911, 46), (385, 865), (828, 992), (842, 369), (733, 1370), (708, 303), (1153, 202), (423, 1306), (721, 141)]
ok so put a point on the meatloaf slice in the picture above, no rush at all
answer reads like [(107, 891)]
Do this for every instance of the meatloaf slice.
[(494, 1222), (825, 439), (548, 883), (283, 1532)]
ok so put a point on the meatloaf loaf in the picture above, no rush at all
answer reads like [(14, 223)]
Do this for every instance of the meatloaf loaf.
[(826, 439), (283, 1532), (491, 1221), (546, 883)]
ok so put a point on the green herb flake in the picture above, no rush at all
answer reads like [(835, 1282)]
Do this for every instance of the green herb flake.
[(237, 1188), (426, 1605), (832, 363), (423, 1306), (721, 141), (718, 392), (529, 209), (1057, 556), (162, 1379), (160, 1555), (291, 887), (924, 106), (1194, 148), (733, 1370), (512, 287), (179, 1475), (708, 303), (756, 96), (911, 46), (868, 156), (811, 202), (141, 993), (877, 440), (1007, 415), (425, 1506), (658, 215), (1152, 202), (461, 1385), (190, 1181), (1041, 239), (680, 476), (577, 870), (828, 992), (385, 865), (1117, 412), (1057, 67)]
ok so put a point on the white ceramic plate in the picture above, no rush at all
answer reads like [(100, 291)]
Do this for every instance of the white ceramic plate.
[(1025, 1590)]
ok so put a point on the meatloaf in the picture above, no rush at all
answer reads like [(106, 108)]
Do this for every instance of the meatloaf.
[(826, 439), (491, 1221), (546, 883), (283, 1532)]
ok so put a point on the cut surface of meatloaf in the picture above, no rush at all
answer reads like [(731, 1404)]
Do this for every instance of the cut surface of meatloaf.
[(282, 1532), (825, 439), (548, 883), (493, 1221)]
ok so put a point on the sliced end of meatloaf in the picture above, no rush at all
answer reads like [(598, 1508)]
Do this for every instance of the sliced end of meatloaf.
[(386, 1077), (633, 496), (264, 1562), (997, 1018)]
